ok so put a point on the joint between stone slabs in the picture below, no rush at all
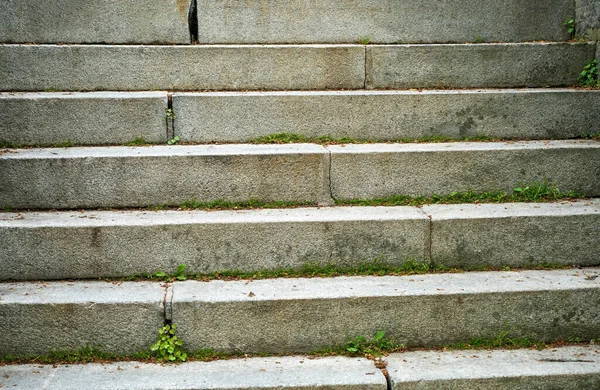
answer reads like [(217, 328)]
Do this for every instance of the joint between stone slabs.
[(168, 302), (428, 235), (170, 117), (328, 168), (193, 21), (368, 68), (365, 76)]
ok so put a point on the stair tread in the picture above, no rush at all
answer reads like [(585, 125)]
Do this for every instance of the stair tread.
[(572, 367)]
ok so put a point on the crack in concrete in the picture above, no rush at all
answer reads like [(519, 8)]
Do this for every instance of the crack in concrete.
[(193, 21)]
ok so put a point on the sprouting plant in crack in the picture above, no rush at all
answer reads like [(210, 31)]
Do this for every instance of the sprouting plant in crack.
[(379, 345), (168, 346), (177, 275)]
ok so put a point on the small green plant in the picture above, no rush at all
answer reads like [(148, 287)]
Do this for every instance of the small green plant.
[(501, 340), (479, 39), (67, 144), (359, 345), (174, 140), (365, 40), (167, 347), (170, 114), (589, 75), (138, 141), (570, 25), (178, 275)]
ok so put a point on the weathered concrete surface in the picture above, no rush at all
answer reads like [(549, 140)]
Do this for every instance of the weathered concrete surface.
[(119, 317), (93, 21), (134, 68), (558, 368), (379, 170), (93, 118), (272, 373), (518, 235), (477, 65), (587, 18), (387, 115), (284, 315), (71, 245), (381, 21), (166, 175)]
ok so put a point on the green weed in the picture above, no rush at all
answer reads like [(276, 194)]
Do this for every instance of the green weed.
[(168, 346), (138, 141), (589, 75), (570, 25), (177, 275)]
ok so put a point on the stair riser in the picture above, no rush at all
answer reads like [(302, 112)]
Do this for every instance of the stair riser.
[(89, 21), (138, 177), (363, 172), (135, 68), (41, 246), (393, 115), (287, 315), (476, 66), (497, 236), (82, 118), (289, 67), (283, 22), (38, 318), (379, 21), (135, 243)]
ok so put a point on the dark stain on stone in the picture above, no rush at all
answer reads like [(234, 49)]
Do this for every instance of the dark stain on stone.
[(96, 237), (466, 126)]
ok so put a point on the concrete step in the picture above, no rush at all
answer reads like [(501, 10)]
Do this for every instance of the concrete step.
[(299, 315), (89, 21), (558, 368), (121, 317), (92, 118), (387, 115), (164, 175), (362, 171), (97, 118), (289, 67), (94, 244), (269, 373), (498, 65), (71, 178), (226, 67), (307, 314), (381, 21)]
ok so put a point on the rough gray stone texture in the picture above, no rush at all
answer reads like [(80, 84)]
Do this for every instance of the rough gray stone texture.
[(122, 318), (286, 315), (65, 178), (380, 170), (558, 368), (273, 373), (493, 65), (517, 235), (71, 245), (387, 115), (587, 18), (94, 21), (93, 118), (134, 68), (381, 21)]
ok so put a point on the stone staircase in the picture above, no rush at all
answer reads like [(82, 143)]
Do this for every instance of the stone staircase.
[(115, 113)]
